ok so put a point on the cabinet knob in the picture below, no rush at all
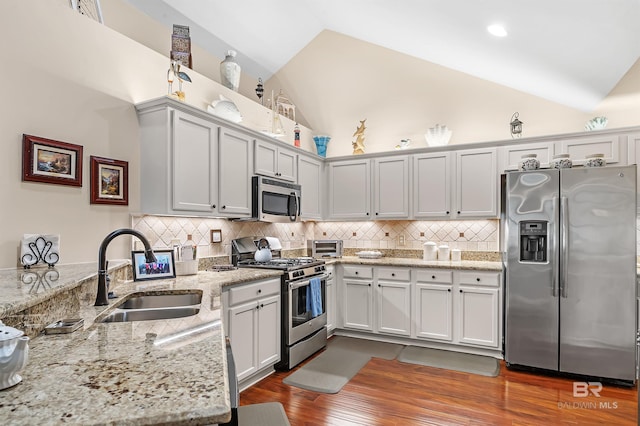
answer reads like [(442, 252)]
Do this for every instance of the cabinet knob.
[(433, 277), (213, 206), (369, 284), (367, 213), (458, 211), (447, 211), (379, 285), (478, 279), (449, 290), (356, 272), (262, 305), (393, 274), (224, 207), (258, 307), (460, 291), (259, 290)]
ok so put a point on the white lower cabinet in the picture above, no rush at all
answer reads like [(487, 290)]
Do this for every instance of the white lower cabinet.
[(393, 301), (357, 297), (331, 299), (377, 301), (433, 317), (479, 312), (252, 323), (456, 307)]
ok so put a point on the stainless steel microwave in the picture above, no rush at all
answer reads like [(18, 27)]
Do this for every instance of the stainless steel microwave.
[(274, 200)]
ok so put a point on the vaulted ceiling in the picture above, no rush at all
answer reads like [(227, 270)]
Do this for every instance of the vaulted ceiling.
[(572, 52)]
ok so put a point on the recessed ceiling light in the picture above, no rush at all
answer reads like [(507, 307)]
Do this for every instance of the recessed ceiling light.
[(497, 30)]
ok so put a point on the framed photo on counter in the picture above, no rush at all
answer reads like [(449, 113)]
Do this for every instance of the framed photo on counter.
[(164, 267)]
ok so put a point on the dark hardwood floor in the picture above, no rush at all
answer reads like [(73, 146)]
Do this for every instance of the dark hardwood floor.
[(394, 393)]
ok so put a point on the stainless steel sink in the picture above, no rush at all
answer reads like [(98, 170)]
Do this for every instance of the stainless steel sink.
[(146, 301), (151, 314), (147, 307)]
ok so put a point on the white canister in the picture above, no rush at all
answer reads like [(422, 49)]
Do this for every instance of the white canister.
[(456, 255), (595, 160), (529, 162), (430, 251), (443, 253)]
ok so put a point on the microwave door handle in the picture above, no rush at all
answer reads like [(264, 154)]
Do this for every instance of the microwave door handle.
[(296, 207)]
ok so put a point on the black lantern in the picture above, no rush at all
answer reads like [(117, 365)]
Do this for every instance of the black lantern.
[(260, 90), (516, 126)]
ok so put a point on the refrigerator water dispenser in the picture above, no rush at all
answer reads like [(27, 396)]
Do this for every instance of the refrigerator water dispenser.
[(533, 241)]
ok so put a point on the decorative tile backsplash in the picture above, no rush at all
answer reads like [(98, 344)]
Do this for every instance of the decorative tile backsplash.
[(476, 235)]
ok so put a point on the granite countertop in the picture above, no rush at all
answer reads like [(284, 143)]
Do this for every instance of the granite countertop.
[(474, 265), (147, 372)]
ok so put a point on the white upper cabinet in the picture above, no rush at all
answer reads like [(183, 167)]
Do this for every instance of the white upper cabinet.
[(310, 179), (476, 183), (275, 161), (178, 163), (236, 163), (432, 185), (350, 189), (391, 187), (579, 148), (511, 155)]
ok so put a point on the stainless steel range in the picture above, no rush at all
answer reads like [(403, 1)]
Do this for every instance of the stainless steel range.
[(303, 291)]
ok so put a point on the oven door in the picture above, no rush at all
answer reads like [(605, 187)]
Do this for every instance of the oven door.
[(307, 308)]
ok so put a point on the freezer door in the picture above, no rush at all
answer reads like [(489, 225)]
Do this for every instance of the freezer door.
[(598, 272), (531, 301)]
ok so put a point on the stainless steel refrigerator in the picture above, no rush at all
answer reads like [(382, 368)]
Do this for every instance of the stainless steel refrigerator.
[(570, 299)]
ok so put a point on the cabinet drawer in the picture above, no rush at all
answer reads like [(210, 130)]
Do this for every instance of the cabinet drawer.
[(244, 293), (434, 276), (394, 274), (358, 271), (489, 279)]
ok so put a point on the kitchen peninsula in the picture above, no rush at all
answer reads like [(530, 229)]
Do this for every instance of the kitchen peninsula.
[(146, 372)]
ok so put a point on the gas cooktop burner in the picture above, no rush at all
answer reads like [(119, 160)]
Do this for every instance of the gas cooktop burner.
[(282, 263)]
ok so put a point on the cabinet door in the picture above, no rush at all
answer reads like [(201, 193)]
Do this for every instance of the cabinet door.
[(579, 148), (310, 179), (432, 185), (511, 155), (394, 308), (287, 164), (391, 188), (266, 159), (235, 171), (476, 183), (268, 325), (434, 311), (243, 335), (195, 182), (350, 189), (478, 316), (633, 146), (358, 305)]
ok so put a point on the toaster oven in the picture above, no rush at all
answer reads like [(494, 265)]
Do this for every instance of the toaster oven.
[(325, 248)]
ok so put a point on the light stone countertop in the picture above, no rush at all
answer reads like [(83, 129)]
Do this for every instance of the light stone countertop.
[(473, 265), (147, 372)]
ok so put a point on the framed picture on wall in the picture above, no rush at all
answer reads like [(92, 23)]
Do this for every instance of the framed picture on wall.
[(164, 267), (109, 181), (49, 161)]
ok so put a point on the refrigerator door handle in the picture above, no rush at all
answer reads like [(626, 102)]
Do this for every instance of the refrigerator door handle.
[(553, 248), (564, 241)]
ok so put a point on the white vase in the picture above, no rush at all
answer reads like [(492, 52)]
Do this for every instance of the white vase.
[(230, 71)]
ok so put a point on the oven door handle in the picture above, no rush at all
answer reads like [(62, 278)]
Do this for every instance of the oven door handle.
[(298, 284)]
